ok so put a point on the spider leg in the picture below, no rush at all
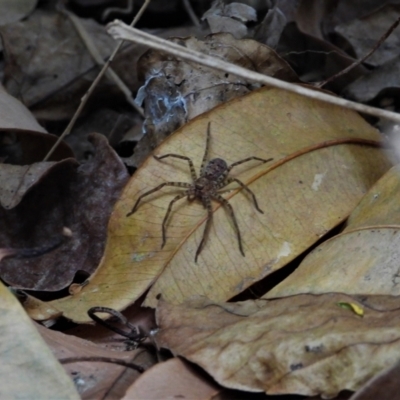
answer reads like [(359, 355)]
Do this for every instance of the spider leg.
[(229, 208), (177, 184), (246, 160), (248, 190), (189, 160), (207, 203), (176, 198), (203, 163)]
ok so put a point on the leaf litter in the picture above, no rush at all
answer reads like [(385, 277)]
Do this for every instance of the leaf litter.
[(315, 53), (79, 198)]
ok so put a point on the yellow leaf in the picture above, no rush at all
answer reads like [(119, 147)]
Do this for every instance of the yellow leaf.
[(364, 258), (324, 159)]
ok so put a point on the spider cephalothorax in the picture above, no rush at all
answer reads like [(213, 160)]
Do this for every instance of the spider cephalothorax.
[(213, 176)]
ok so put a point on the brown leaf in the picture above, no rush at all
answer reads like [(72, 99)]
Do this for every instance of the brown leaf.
[(384, 386), (315, 180), (45, 56), (28, 369), (364, 257), (78, 199), (17, 180), (95, 379), (303, 344), (172, 379)]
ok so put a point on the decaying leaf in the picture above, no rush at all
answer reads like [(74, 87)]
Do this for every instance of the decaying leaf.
[(176, 92), (17, 180), (325, 159), (172, 379), (364, 32), (78, 198), (230, 18), (15, 10), (383, 386), (302, 344), (34, 73), (28, 369), (364, 257), (96, 379)]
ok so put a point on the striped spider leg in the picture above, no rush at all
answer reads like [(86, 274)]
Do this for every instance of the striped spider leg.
[(214, 175)]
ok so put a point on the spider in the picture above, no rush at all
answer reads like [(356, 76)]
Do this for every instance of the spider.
[(213, 176)]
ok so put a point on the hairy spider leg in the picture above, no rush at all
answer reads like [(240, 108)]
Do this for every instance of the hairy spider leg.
[(204, 161), (229, 208), (175, 199), (207, 204), (176, 184), (189, 160), (246, 160), (247, 189)]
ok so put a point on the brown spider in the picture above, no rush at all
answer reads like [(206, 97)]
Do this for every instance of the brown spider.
[(213, 176)]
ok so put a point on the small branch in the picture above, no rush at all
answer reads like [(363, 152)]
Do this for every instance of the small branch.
[(191, 13), (119, 30), (117, 361), (361, 60), (93, 85)]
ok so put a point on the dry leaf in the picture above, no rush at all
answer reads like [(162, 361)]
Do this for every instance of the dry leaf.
[(383, 386), (15, 10), (315, 180), (172, 379), (28, 369), (50, 37), (80, 199), (364, 33), (230, 18), (364, 257), (95, 379), (302, 344), (176, 92)]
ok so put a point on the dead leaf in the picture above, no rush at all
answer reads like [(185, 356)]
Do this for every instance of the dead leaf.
[(316, 179), (364, 257), (365, 32), (302, 344), (317, 59), (96, 379), (172, 379), (176, 92), (17, 180), (383, 386), (15, 10), (229, 18), (370, 85), (50, 36), (80, 199), (28, 368)]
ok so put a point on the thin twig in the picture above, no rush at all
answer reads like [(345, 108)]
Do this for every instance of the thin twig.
[(361, 60), (191, 13), (119, 30), (110, 360), (125, 11), (94, 84), (94, 52)]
